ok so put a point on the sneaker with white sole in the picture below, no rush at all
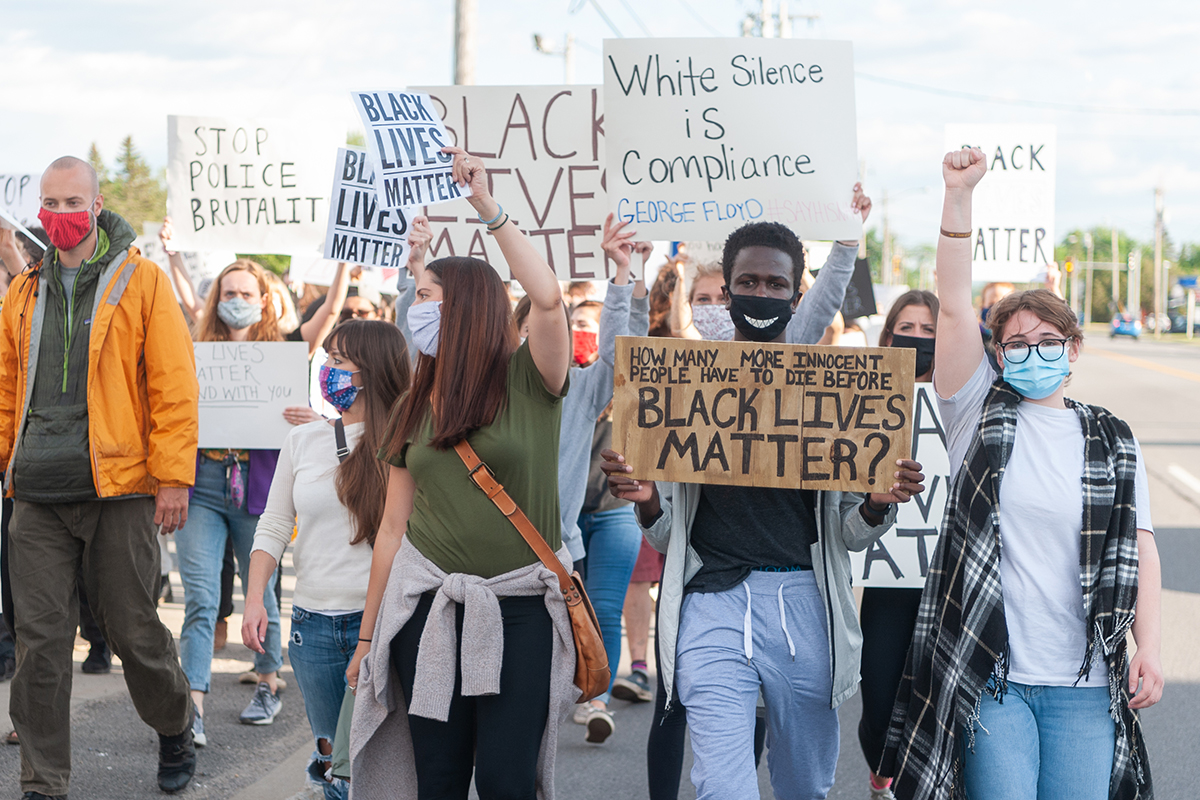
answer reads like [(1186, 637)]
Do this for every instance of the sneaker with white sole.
[(600, 725), (263, 706), (881, 794), (198, 731), (634, 689), (580, 716)]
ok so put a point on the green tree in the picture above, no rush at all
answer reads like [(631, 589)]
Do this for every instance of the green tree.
[(132, 189)]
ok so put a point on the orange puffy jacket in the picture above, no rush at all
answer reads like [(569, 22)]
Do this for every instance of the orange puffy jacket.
[(142, 393)]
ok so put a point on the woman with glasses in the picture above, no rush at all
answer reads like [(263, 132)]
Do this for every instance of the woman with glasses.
[(1018, 682)]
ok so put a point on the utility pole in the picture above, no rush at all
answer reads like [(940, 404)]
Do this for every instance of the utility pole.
[(1116, 272), (1134, 292), (465, 12), (1160, 307), (885, 262), (785, 21), (567, 52), (766, 19), (1090, 243)]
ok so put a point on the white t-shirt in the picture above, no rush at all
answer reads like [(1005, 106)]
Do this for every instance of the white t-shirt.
[(331, 574), (1041, 520)]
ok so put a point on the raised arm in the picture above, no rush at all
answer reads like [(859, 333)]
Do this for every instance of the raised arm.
[(397, 508), (549, 336), (959, 348), (321, 323), (10, 252), (188, 298)]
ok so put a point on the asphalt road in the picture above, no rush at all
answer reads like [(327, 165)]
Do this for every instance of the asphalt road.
[(1154, 386)]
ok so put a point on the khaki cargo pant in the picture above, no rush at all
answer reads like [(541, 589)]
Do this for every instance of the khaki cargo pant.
[(114, 540)]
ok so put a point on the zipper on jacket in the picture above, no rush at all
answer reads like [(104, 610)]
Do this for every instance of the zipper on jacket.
[(68, 312), (828, 601)]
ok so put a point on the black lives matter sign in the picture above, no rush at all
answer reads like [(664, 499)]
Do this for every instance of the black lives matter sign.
[(772, 415)]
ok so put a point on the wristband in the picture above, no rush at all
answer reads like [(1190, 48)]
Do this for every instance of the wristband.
[(368, 641), (503, 222), (499, 214), (955, 234)]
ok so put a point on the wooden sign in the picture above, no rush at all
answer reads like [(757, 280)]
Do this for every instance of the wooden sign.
[(773, 415)]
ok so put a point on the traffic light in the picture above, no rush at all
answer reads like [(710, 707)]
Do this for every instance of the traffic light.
[(1070, 267)]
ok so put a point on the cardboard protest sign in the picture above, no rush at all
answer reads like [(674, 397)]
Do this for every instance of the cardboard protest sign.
[(705, 135), (1012, 208), (750, 414), (544, 150), (244, 388), (405, 137), (900, 558), (19, 196), (248, 185), (360, 230), (860, 293)]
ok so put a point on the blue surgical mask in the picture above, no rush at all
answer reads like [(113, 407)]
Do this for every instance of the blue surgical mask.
[(425, 323), (238, 313), (337, 387), (1034, 378)]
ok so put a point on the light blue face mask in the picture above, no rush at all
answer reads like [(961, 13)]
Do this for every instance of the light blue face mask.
[(1035, 378), (238, 313), (425, 323)]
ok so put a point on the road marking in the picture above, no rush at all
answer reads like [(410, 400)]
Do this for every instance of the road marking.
[(1144, 364), (1183, 476)]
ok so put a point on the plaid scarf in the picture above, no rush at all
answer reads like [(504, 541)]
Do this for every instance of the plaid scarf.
[(961, 639)]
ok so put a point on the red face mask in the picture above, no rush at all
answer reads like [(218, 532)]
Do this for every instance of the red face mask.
[(67, 229), (586, 345)]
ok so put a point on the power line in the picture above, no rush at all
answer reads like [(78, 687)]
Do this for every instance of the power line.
[(696, 16), (1079, 107), (636, 18), (576, 6)]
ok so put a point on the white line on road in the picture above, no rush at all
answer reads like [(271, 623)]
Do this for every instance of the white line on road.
[(1183, 476)]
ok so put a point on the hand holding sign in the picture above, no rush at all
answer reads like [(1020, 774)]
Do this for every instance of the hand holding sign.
[(963, 169), (419, 238), (469, 173), (620, 485), (909, 481)]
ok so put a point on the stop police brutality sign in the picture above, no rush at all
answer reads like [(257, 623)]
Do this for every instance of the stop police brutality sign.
[(772, 415)]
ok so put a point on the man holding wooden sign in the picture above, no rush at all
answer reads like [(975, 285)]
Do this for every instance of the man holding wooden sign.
[(756, 593)]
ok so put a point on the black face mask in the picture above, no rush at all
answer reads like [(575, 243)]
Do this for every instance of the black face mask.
[(760, 319), (924, 348)]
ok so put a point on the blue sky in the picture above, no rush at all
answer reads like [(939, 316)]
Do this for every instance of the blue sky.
[(119, 67)]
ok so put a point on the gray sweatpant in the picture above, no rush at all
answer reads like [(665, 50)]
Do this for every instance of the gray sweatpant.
[(767, 634)]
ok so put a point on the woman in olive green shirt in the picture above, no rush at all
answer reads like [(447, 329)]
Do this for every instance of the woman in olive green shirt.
[(474, 381)]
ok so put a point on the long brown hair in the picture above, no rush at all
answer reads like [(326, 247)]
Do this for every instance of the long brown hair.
[(466, 388), (379, 351), (211, 328)]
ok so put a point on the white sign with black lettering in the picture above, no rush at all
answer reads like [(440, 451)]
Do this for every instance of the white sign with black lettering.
[(1012, 208), (900, 558), (360, 230), (244, 388), (19, 196), (405, 137)]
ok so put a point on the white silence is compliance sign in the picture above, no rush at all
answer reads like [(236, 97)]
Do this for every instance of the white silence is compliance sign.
[(244, 388), (544, 151), (361, 230), (706, 135), (19, 196), (1012, 208), (900, 558), (248, 185)]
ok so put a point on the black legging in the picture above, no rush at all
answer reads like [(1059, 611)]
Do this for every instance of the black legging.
[(664, 745), (499, 736), (887, 617)]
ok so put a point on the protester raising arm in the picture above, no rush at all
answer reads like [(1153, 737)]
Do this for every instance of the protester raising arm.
[(419, 239), (959, 348), (549, 338), (189, 299), (321, 323)]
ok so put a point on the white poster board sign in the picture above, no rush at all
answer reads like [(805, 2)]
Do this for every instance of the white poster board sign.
[(900, 558), (1012, 208), (706, 135), (361, 231), (244, 388), (405, 137), (249, 185), (544, 150), (19, 196)]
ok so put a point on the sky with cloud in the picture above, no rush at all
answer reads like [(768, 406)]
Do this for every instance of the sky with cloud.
[(77, 72)]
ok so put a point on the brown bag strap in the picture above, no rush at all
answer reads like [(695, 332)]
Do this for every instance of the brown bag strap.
[(485, 479)]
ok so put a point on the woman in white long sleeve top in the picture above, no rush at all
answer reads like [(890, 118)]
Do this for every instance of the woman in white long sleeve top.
[(330, 486)]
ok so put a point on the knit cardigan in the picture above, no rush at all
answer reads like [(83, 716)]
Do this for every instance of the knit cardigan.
[(381, 753)]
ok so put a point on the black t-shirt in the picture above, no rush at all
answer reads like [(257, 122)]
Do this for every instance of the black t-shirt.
[(597, 497), (738, 528)]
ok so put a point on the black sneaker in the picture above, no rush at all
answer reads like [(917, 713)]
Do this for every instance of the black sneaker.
[(176, 760), (98, 661), (40, 796), (8, 670)]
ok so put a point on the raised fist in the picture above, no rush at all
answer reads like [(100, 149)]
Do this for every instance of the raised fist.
[(962, 169)]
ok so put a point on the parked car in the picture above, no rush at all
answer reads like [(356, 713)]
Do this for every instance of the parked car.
[(1125, 324)]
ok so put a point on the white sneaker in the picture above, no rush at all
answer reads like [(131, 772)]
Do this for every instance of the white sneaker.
[(881, 794), (198, 731), (600, 725), (580, 716)]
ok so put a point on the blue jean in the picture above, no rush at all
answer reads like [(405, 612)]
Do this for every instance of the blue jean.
[(1043, 742), (726, 658), (319, 650), (612, 540), (200, 547)]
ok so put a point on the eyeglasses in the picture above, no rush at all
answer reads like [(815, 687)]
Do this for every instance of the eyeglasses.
[(1047, 350)]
